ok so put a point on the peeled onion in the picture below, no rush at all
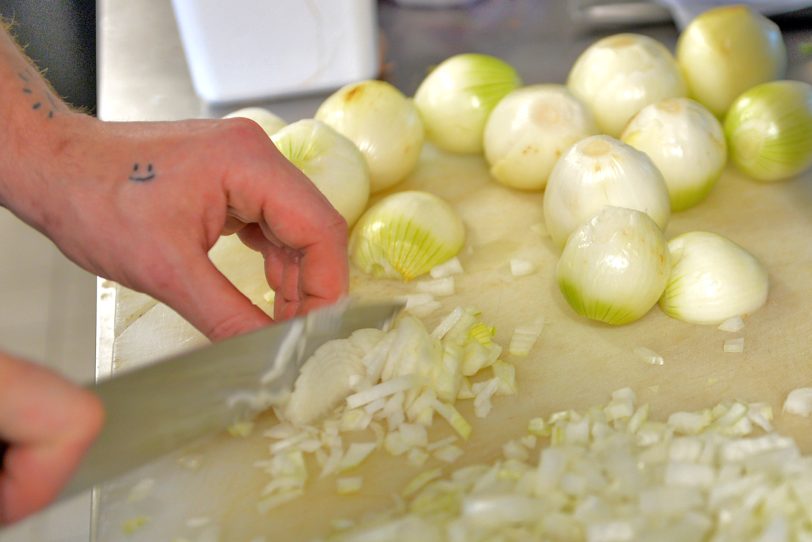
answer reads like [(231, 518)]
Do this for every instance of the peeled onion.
[(614, 267), (769, 129), (619, 75), (530, 129), (383, 123), (727, 50), (600, 171), (455, 99), (331, 161), (685, 142)]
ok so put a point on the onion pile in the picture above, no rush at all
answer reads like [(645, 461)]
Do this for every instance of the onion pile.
[(384, 390), (613, 474)]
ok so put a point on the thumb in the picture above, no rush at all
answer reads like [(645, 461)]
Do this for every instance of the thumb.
[(210, 302)]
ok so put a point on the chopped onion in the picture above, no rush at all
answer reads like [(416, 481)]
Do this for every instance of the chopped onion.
[(614, 268), (335, 362), (384, 389), (727, 50), (405, 235), (457, 97), (649, 356), (733, 324), (734, 345), (712, 279), (439, 287), (346, 486), (525, 336), (266, 120), (446, 269), (619, 75), (530, 129), (521, 268), (448, 454), (454, 418), (331, 161), (799, 401), (421, 480), (417, 457), (383, 123), (769, 130), (597, 172), (685, 142), (613, 485), (447, 323), (356, 453)]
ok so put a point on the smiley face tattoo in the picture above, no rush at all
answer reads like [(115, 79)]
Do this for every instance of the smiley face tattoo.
[(142, 175)]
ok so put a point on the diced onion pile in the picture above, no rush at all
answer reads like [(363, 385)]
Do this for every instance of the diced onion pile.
[(411, 376), (611, 474)]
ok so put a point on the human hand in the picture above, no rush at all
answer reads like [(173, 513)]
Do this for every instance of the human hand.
[(142, 203), (49, 423)]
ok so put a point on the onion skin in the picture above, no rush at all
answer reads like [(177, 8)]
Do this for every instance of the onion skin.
[(769, 130), (455, 99), (727, 50), (619, 75), (383, 123)]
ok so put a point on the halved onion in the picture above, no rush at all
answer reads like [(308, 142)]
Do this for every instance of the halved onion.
[(530, 129), (383, 123), (614, 267), (712, 279), (685, 142), (727, 50), (769, 129), (405, 235), (331, 161), (455, 99), (619, 75), (600, 171)]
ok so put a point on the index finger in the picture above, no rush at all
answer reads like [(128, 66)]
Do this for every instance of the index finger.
[(294, 213)]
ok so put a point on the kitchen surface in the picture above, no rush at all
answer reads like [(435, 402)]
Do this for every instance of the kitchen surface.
[(143, 75)]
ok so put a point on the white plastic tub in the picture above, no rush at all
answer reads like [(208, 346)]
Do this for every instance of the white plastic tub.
[(243, 50)]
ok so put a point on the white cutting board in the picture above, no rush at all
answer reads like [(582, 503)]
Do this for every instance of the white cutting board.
[(576, 364)]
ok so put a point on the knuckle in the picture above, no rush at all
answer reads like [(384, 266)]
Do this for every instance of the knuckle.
[(243, 130)]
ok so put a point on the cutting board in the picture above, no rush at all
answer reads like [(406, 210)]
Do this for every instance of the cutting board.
[(575, 365)]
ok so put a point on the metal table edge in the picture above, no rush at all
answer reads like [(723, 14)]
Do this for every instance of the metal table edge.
[(106, 293)]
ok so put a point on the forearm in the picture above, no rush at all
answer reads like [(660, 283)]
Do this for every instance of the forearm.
[(34, 130)]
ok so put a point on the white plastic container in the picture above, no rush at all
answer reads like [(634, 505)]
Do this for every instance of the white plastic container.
[(244, 50)]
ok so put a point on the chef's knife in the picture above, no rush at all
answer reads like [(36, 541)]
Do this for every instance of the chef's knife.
[(161, 407)]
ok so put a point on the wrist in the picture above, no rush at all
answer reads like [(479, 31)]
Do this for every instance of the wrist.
[(36, 166)]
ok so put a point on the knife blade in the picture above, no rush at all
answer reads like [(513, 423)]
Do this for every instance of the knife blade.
[(160, 407)]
